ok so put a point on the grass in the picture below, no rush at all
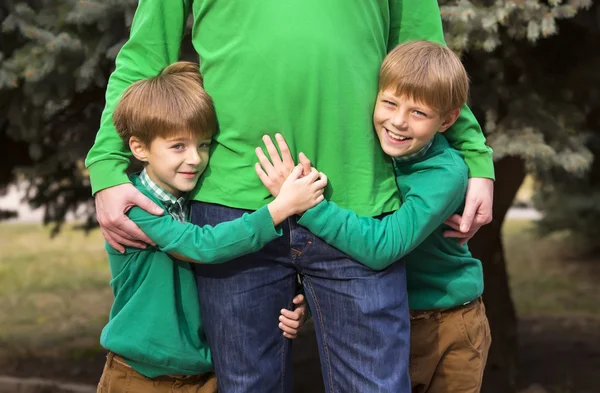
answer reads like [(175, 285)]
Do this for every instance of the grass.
[(55, 297), (54, 293), (547, 276)]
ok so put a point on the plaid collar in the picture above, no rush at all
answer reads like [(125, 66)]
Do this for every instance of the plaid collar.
[(178, 208), (416, 155)]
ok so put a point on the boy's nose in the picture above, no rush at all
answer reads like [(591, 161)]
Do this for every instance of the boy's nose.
[(399, 120), (193, 158)]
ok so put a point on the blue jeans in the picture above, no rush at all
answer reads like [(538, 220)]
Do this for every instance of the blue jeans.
[(361, 316)]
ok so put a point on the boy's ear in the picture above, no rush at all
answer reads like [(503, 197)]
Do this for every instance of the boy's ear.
[(138, 148), (449, 119)]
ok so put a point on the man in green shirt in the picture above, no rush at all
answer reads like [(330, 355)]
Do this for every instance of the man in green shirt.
[(307, 69)]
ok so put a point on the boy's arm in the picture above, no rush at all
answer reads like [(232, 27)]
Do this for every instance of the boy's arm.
[(434, 195), (207, 244), (154, 43), (421, 20), (232, 239)]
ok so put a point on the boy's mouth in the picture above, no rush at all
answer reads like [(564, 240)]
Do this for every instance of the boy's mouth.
[(188, 174), (396, 137)]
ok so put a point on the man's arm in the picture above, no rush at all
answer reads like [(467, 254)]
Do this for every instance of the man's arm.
[(434, 194), (154, 43)]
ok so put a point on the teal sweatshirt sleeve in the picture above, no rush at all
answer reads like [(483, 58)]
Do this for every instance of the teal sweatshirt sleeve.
[(154, 43), (420, 20), (208, 244), (434, 195)]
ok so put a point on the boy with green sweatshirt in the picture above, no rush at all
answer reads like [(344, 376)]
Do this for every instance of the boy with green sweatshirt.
[(155, 334), (422, 87)]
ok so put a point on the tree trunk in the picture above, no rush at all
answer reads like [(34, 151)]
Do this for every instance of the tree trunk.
[(501, 370)]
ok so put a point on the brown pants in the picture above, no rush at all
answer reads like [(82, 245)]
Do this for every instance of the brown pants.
[(448, 349), (119, 377)]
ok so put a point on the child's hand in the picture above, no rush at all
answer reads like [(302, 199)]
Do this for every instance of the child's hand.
[(298, 194), (303, 192), (278, 168), (291, 321)]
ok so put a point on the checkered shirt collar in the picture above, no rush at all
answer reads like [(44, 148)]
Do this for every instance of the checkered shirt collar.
[(178, 208), (416, 155)]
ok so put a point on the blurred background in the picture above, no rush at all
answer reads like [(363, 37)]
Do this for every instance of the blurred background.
[(535, 71)]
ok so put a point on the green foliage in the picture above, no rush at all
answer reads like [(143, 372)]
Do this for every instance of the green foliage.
[(479, 25), (536, 88), (530, 83), (573, 203), (53, 73)]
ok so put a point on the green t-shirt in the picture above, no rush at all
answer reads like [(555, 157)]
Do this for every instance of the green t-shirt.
[(307, 69), (155, 321), (440, 272)]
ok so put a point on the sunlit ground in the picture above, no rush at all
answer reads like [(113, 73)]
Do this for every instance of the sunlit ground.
[(54, 293), (55, 297)]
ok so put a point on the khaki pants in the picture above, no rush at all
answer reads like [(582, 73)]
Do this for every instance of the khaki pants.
[(448, 349), (119, 377)]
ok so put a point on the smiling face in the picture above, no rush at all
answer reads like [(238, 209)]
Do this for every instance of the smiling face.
[(174, 163), (404, 126)]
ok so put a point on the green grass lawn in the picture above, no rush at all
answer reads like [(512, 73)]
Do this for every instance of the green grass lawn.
[(55, 295), (548, 275)]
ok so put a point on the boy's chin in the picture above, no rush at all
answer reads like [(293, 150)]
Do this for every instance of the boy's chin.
[(394, 153), (183, 190)]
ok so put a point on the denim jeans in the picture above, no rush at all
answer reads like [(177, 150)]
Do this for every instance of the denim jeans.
[(361, 316)]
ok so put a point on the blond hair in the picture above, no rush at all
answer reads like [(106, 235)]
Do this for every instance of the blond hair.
[(171, 103), (426, 72)]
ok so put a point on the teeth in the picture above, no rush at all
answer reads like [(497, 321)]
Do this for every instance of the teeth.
[(397, 137)]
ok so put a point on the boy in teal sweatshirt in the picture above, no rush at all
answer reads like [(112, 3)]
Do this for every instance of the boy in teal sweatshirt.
[(422, 87), (155, 334)]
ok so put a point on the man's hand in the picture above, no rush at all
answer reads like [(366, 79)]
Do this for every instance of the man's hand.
[(118, 230), (278, 168), (291, 321), (305, 162), (477, 213)]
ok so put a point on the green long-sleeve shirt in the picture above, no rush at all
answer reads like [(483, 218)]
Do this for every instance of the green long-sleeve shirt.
[(307, 69), (155, 320), (440, 272)]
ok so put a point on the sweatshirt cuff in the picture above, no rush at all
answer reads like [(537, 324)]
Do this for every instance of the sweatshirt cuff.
[(262, 219), (310, 218), (107, 173), (480, 165)]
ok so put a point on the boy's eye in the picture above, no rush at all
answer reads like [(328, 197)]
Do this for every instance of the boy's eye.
[(419, 113), (204, 145), (178, 146), (388, 102)]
